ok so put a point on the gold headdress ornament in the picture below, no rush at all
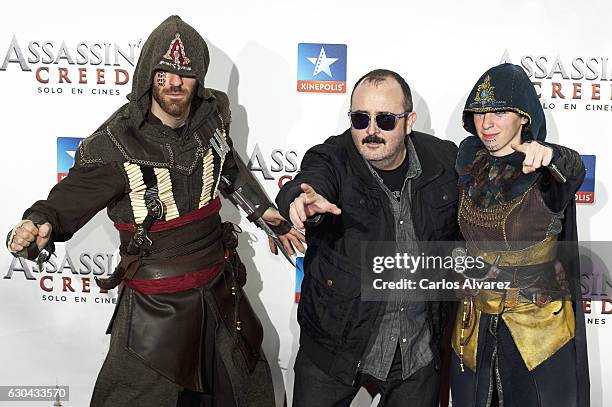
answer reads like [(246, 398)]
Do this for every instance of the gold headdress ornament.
[(485, 92)]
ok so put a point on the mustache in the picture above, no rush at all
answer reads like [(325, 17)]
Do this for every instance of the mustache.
[(175, 89), (373, 138)]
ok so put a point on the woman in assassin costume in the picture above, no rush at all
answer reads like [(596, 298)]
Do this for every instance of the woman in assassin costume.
[(182, 334), (523, 346)]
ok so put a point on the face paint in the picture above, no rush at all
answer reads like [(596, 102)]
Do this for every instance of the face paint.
[(160, 79)]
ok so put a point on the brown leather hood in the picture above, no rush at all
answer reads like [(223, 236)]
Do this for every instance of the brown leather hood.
[(174, 46)]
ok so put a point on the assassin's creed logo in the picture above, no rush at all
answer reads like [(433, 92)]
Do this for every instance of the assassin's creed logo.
[(68, 277), (176, 55), (77, 68), (568, 83), (284, 164), (597, 311)]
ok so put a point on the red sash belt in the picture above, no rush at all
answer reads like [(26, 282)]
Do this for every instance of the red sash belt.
[(212, 208), (168, 285)]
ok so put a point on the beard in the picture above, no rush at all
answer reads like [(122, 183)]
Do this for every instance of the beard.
[(175, 109)]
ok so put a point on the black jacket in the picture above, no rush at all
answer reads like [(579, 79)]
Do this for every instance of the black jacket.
[(335, 324)]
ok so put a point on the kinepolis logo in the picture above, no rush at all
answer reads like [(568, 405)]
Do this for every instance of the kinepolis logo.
[(68, 280), (569, 83), (299, 277), (66, 150), (586, 192), (66, 68), (321, 68), (284, 164)]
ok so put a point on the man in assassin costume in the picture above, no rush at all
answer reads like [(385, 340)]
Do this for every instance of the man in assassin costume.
[(182, 333), (526, 345)]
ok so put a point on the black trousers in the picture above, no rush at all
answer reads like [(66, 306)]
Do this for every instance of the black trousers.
[(313, 387), (501, 377)]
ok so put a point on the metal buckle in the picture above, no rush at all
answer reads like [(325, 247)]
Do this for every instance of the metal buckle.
[(141, 237), (511, 299)]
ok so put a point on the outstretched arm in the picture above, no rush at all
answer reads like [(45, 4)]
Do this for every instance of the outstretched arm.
[(70, 205), (565, 171), (314, 191)]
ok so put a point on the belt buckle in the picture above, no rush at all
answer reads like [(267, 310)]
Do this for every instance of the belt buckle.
[(511, 299), (542, 299), (141, 237)]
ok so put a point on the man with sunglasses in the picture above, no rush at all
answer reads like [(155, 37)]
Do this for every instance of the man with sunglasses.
[(378, 181)]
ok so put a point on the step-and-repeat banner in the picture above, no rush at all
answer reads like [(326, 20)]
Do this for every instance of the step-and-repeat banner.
[(288, 69)]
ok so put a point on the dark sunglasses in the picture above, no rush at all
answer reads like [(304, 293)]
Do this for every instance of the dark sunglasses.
[(384, 121)]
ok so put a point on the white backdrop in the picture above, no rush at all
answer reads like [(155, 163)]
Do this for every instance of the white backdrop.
[(441, 48)]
